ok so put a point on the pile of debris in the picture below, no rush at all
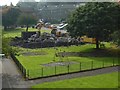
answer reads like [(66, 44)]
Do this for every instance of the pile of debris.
[(44, 40)]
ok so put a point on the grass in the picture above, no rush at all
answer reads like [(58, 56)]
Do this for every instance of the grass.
[(42, 59), (12, 32), (109, 80), (17, 32), (34, 63)]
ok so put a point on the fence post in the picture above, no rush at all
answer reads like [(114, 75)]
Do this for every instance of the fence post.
[(28, 73), (42, 71), (68, 68), (21, 68), (113, 62), (55, 70), (92, 65), (103, 63), (18, 64), (80, 66), (25, 73)]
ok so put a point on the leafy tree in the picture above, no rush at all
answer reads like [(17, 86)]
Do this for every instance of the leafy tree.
[(97, 20), (25, 19), (116, 37), (9, 16)]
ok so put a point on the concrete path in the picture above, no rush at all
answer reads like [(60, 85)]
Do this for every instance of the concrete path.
[(0, 73), (12, 78)]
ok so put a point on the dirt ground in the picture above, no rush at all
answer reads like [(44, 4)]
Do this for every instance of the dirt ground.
[(66, 63)]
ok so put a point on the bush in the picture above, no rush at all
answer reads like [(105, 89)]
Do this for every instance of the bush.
[(6, 48)]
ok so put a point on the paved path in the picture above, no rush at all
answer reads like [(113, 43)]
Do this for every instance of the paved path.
[(0, 73), (13, 79)]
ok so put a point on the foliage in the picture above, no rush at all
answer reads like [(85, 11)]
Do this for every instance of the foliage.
[(96, 20), (116, 37), (6, 48), (9, 16), (25, 19)]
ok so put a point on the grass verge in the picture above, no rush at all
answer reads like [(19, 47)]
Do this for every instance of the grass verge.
[(109, 80)]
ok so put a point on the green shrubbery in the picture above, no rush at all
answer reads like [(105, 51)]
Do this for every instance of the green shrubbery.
[(6, 48)]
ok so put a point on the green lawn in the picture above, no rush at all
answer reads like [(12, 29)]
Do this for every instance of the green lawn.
[(33, 63), (109, 80), (49, 56), (17, 32)]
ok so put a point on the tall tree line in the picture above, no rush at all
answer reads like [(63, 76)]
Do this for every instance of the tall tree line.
[(95, 19)]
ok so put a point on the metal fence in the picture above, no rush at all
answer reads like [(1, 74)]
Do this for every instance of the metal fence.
[(20, 66), (48, 71)]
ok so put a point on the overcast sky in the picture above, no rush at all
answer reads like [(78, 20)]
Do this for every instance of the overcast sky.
[(7, 2), (4, 2)]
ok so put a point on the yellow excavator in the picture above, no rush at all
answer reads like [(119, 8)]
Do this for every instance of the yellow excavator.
[(86, 39)]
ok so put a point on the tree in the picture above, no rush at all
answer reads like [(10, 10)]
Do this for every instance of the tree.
[(116, 37), (97, 20), (25, 19), (9, 16)]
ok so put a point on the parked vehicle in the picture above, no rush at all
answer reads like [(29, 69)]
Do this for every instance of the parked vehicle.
[(86, 39)]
